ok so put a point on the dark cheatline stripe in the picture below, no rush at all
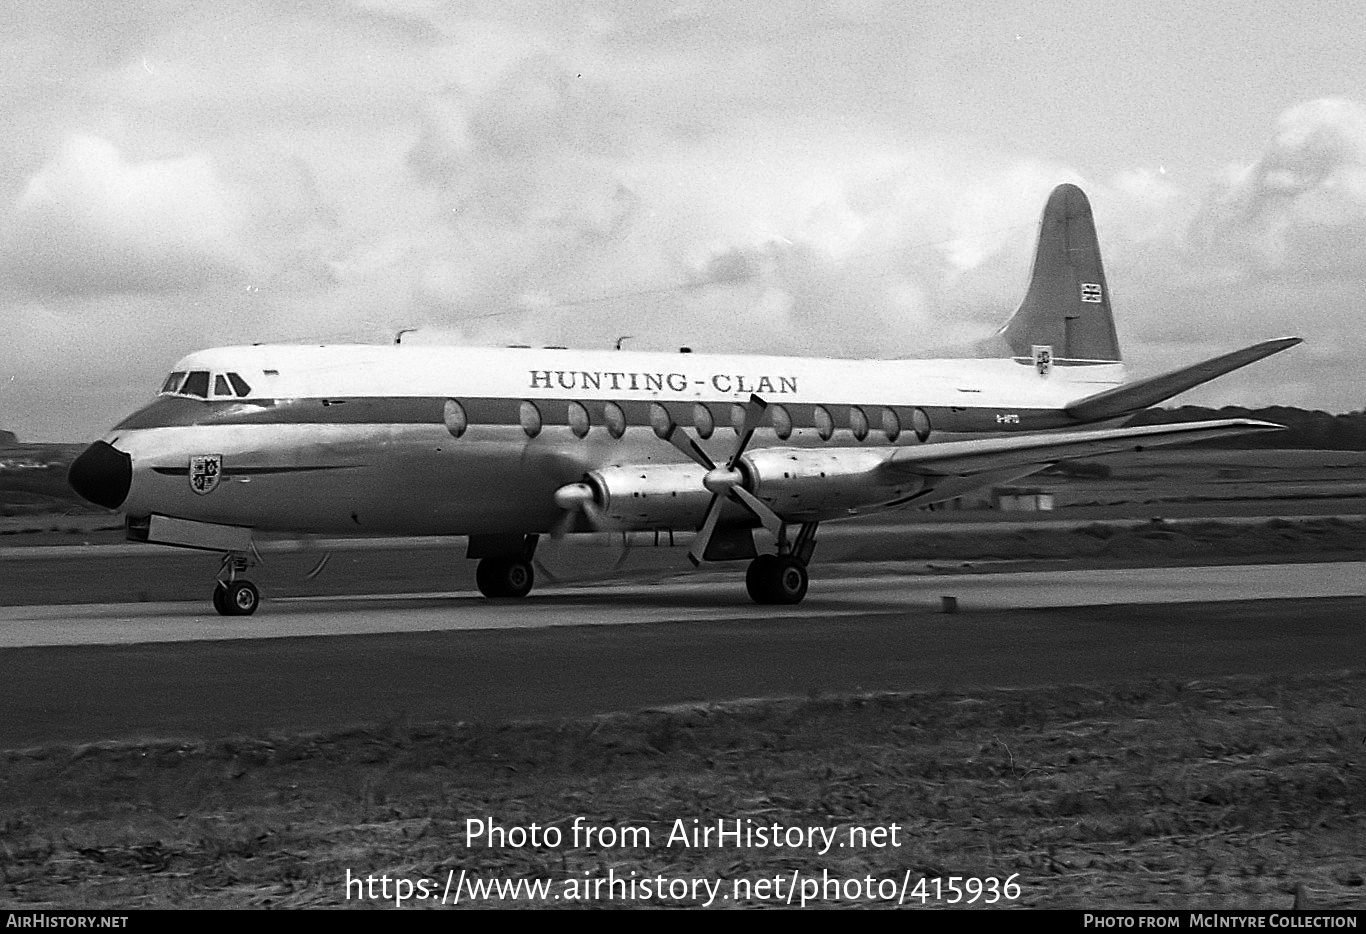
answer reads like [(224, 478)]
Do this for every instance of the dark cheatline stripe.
[(169, 411), (251, 471)]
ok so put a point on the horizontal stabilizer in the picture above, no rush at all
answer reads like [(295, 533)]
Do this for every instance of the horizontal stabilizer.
[(956, 458), (1142, 393)]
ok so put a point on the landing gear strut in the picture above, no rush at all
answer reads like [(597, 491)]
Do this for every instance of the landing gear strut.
[(782, 578), (233, 596)]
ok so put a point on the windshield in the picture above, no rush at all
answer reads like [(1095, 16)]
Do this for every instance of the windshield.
[(196, 383)]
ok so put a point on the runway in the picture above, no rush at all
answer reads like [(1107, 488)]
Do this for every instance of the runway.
[(710, 598), (101, 672), (690, 599)]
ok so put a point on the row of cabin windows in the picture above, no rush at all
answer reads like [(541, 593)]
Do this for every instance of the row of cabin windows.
[(197, 383), (704, 422)]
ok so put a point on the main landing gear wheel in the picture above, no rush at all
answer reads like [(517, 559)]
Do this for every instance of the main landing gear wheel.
[(776, 579), (236, 598), (504, 577)]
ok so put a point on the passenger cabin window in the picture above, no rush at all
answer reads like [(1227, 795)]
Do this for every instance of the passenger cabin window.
[(702, 420), (530, 417)]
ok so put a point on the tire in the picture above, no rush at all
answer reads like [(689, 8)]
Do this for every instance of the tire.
[(504, 577), (241, 598), (759, 578), (486, 577), (220, 592)]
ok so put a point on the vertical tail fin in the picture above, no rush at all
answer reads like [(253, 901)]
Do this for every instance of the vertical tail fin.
[(1067, 306)]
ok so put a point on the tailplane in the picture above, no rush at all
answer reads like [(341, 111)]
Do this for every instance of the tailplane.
[(1129, 398), (1067, 307)]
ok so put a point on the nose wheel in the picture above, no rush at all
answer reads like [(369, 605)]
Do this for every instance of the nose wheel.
[(236, 598), (777, 579)]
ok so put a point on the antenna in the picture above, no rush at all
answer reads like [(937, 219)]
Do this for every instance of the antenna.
[(624, 337), (398, 338)]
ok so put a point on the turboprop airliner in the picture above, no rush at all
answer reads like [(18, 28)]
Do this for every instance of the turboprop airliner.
[(506, 445)]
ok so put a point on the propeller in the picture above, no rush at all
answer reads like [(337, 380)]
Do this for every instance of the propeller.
[(585, 558), (577, 500), (725, 482)]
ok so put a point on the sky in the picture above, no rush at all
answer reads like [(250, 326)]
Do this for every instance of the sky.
[(857, 179)]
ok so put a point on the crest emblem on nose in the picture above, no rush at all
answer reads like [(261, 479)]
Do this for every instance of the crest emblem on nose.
[(205, 469)]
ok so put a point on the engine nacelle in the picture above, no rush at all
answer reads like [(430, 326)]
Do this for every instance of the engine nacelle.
[(815, 484), (650, 496), (798, 484)]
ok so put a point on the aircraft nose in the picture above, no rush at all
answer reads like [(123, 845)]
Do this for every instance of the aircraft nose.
[(102, 474)]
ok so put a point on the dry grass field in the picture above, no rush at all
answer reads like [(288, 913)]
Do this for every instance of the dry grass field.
[(1196, 795)]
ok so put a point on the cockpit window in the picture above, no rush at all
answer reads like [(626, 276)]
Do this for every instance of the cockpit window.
[(196, 384), (239, 384)]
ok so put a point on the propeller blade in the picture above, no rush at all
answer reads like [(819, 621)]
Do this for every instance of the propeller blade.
[(761, 510), (754, 416), (318, 568), (690, 448), (592, 557), (564, 525), (699, 545)]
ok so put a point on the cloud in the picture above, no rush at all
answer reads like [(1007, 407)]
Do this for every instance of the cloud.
[(1300, 209), (91, 221)]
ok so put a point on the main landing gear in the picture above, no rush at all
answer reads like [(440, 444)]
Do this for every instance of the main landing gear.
[(782, 578), (233, 596), (504, 577), (504, 568)]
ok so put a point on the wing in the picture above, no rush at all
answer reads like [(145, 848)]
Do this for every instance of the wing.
[(952, 468)]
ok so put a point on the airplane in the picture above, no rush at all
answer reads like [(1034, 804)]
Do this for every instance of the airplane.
[(507, 445)]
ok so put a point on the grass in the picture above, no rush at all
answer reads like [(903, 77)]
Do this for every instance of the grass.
[(1176, 795), (1326, 538)]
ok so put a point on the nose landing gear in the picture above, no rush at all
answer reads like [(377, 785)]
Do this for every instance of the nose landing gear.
[(233, 596)]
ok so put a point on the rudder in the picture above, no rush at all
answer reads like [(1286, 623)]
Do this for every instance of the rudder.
[(1067, 306)]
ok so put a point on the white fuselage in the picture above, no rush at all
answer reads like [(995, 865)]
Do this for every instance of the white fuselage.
[(453, 440)]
